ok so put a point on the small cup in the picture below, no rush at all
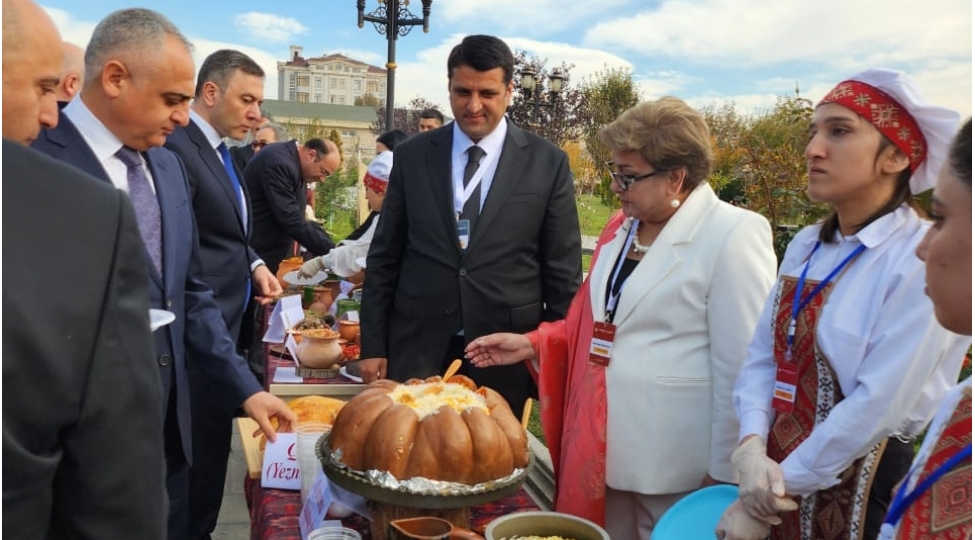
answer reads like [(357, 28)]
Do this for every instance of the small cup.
[(334, 533), (307, 436)]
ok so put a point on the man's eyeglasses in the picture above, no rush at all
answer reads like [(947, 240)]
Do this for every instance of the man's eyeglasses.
[(627, 180), (257, 145)]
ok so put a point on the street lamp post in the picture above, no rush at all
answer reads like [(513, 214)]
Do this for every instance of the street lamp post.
[(533, 91), (393, 19)]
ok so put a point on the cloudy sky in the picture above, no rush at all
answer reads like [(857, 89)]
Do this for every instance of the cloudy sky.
[(704, 51)]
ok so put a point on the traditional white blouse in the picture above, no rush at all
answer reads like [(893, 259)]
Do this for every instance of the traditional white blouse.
[(894, 362), (342, 259)]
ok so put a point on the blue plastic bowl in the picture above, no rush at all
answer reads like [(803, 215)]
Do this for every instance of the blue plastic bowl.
[(695, 516)]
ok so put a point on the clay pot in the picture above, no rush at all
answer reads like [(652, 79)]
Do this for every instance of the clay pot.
[(430, 528), (320, 348), (349, 330), (288, 265), (323, 296)]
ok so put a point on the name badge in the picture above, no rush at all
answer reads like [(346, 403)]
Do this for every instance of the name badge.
[(601, 346), (464, 232), (784, 393)]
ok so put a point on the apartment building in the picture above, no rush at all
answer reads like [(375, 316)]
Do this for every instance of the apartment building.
[(333, 79)]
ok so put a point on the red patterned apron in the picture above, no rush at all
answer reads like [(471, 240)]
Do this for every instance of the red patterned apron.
[(837, 512), (944, 512)]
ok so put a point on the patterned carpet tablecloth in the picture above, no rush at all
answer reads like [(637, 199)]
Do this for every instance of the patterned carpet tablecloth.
[(274, 512)]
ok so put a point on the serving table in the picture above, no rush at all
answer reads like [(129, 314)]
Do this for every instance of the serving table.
[(274, 512)]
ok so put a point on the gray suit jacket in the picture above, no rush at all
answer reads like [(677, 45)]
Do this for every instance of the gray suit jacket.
[(523, 264)]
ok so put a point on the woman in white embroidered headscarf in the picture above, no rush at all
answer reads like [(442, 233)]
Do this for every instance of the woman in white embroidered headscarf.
[(848, 363), (342, 259)]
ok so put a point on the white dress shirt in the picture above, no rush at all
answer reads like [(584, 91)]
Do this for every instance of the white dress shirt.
[(491, 145), (877, 329), (103, 143)]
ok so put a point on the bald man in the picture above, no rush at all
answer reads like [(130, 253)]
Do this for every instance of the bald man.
[(72, 71), (31, 71), (82, 422)]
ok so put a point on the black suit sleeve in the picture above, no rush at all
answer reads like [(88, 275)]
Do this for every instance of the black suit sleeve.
[(279, 187), (113, 482), (560, 247), (382, 273)]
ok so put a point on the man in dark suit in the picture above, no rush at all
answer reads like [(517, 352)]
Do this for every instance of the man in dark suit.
[(82, 422), (229, 92), (470, 241), (277, 179), (139, 81)]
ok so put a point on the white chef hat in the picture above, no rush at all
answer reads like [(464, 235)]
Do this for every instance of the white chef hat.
[(377, 173), (894, 105)]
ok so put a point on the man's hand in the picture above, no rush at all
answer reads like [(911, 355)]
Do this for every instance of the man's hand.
[(762, 484), (372, 369), (499, 349), (736, 524), (262, 406), (268, 285)]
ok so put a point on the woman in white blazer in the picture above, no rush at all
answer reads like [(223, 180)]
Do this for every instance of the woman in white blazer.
[(636, 382)]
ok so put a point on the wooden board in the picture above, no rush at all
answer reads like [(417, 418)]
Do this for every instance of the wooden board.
[(253, 455)]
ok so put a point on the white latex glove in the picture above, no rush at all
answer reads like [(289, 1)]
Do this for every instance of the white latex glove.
[(761, 485), (311, 267), (736, 524), (310, 213)]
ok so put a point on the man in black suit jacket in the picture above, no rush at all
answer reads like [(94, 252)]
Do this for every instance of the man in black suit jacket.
[(277, 180), (426, 295), (138, 90), (229, 92), (82, 422)]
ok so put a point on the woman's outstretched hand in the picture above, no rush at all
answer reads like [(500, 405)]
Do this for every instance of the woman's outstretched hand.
[(499, 350)]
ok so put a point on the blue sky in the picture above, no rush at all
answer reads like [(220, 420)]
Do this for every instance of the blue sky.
[(704, 51)]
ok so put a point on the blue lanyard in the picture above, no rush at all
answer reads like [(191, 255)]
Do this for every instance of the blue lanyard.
[(614, 298), (799, 303), (901, 502)]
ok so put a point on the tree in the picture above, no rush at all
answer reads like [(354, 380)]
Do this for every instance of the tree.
[(550, 115), (604, 96), (406, 119), (762, 157), (366, 100)]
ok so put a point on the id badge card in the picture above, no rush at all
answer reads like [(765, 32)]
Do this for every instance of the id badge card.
[(601, 345), (464, 232), (786, 381)]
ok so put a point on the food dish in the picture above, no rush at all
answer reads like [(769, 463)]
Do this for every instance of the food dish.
[(439, 430), (293, 279), (696, 515), (159, 318)]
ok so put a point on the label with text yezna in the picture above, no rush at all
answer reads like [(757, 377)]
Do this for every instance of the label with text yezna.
[(280, 468)]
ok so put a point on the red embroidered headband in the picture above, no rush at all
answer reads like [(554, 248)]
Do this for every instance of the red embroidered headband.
[(375, 183), (886, 114)]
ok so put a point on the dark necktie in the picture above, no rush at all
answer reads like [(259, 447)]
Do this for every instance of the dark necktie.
[(473, 205), (228, 164), (145, 202)]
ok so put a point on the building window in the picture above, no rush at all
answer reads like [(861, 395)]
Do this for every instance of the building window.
[(357, 84), (302, 97), (332, 82), (372, 87), (347, 133), (318, 98), (318, 83), (342, 84), (303, 80)]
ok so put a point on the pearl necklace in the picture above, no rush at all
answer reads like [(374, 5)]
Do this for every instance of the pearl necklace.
[(639, 248)]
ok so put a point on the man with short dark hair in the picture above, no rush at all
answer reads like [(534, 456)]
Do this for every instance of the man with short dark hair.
[(430, 119), (138, 86), (479, 234), (229, 92), (277, 180)]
